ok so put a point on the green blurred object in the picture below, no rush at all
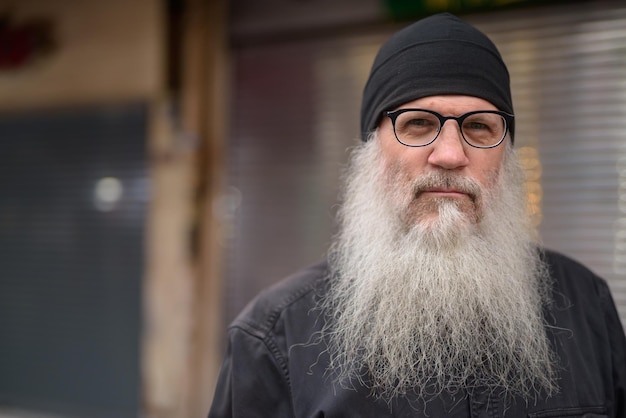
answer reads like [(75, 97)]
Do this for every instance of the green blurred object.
[(407, 9)]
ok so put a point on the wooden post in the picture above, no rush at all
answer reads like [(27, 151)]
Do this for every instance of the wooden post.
[(183, 324), (205, 111)]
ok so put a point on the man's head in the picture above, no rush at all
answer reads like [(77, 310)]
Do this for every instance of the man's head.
[(437, 284), (437, 55), (440, 65)]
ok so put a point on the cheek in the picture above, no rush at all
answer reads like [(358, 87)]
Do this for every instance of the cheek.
[(398, 184), (409, 163), (487, 169)]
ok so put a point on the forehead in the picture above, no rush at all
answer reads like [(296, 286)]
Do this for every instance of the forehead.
[(455, 104)]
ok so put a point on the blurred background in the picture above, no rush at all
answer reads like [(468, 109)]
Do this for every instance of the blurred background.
[(162, 161)]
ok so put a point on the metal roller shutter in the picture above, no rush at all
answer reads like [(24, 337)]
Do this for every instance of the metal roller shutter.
[(73, 193)]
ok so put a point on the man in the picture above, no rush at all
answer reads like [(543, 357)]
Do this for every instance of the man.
[(435, 300)]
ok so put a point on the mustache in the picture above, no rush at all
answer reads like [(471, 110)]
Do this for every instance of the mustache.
[(443, 180)]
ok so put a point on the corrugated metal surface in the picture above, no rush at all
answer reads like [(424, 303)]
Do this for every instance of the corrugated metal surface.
[(568, 66), (71, 259)]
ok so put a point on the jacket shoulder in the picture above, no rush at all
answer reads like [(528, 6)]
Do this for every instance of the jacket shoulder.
[(297, 291), (571, 276)]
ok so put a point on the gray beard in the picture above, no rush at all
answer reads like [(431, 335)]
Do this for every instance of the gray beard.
[(452, 302)]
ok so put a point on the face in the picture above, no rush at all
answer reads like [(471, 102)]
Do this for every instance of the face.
[(408, 295), (448, 157)]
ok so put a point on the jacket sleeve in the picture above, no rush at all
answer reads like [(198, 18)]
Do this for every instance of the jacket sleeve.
[(618, 352), (253, 381)]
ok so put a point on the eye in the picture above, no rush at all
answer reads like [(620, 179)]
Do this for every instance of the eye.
[(475, 125), (419, 122), (483, 122), (484, 129)]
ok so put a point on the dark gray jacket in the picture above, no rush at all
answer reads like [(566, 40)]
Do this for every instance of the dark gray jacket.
[(270, 370)]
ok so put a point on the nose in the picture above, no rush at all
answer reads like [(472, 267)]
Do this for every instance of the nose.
[(448, 150)]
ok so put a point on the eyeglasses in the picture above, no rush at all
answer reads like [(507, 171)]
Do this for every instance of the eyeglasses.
[(420, 127)]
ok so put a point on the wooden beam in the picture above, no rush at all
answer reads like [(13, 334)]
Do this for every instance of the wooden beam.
[(183, 293), (206, 112)]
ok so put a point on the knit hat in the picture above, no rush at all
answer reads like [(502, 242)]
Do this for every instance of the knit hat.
[(438, 55)]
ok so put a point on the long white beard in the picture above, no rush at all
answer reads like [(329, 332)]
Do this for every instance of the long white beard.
[(426, 306)]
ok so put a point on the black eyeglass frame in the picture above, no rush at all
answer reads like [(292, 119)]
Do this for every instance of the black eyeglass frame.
[(508, 120)]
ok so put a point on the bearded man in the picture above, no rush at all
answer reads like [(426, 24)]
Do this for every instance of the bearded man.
[(435, 299)]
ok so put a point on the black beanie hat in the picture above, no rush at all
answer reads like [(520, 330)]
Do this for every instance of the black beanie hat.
[(438, 55)]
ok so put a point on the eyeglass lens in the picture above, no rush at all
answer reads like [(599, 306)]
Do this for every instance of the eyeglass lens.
[(420, 128)]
